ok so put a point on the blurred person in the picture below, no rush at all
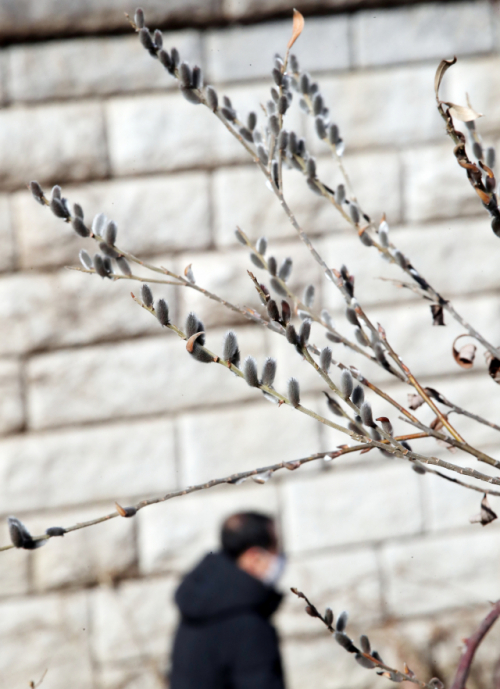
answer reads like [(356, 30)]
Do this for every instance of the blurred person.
[(225, 639)]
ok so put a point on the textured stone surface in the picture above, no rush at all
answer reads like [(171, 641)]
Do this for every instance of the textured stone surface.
[(105, 463), (383, 107), (99, 554), (39, 316), (55, 629), (242, 198), (351, 507), (11, 396), (6, 236), (14, 572), (65, 142), (127, 379), (428, 31), (175, 535), (435, 186), (432, 573), (26, 18), (210, 447), (154, 215), (248, 52), (136, 619), (91, 66)]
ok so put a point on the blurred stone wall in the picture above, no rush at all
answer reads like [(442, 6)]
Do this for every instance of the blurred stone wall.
[(98, 404)]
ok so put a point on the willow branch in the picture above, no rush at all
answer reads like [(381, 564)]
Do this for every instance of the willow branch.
[(471, 646)]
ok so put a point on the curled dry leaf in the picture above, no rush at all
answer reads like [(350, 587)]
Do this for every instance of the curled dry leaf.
[(443, 66), (486, 515), (192, 340), (298, 25), (493, 367), (464, 356), (437, 314), (463, 112), (414, 400)]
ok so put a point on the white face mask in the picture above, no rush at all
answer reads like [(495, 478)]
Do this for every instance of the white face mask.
[(274, 569)]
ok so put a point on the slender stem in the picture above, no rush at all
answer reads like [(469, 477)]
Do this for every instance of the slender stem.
[(471, 646)]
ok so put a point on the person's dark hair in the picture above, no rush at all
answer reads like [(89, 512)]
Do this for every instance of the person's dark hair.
[(245, 530)]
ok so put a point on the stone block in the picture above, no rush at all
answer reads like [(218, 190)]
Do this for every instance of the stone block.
[(430, 574), (402, 107), (66, 143), (55, 629), (11, 396), (129, 379), (242, 198), (135, 619), (435, 186), (218, 444), (14, 573), (155, 215), (173, 536), (91, 66), (344, 507), (424, 32), (340, 581), (148, 674), (155, 133), (104, 463), (99, 554), (49, 18), (7, 250), (70, 308), (247, 52), (322, 663)]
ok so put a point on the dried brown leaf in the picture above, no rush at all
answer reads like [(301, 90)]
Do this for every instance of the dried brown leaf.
[(463, 113), (437, 314), (494, 368), (443, 66), (464, 356), (192, 340), (414, 400), (298, 25), (485, 198), (486, 515)]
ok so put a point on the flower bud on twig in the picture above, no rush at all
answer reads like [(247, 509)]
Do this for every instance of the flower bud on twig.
[(250, 372), (231, 351), (358, 396), (269, 372), (346, 383), (85, 260), (37, 192), (147, 295), (272, 266), (294, 392), (366, 414), (285, 269), (305, 332), (161, 310), (212, 98), (325, 359)]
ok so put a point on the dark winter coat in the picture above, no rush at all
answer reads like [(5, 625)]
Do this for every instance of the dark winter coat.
[(225, 639)]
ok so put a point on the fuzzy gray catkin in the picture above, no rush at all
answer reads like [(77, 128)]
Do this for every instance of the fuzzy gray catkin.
[(325, 359), (212, 98), (85, 259), (366, 414), (191, 324), (305, 332), (308, 296), (272, 266), (261, 245), (342, 621), (162, 311), (351, 316), (346, 383), (294, 392), (257, 261), (285, 269), (250, 372), (147, 295), (269, 372), (230, 348), (123, 265), (358, 396)]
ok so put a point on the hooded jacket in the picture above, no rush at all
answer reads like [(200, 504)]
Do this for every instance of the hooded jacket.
[(225, 639)]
